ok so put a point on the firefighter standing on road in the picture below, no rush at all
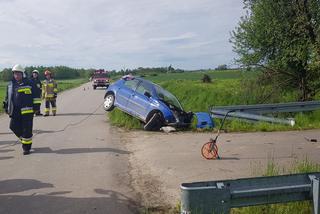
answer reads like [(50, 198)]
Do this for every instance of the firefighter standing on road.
[(36, 87), (19, 106), (49, 93)]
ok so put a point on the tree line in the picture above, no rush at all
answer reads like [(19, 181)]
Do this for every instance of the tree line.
[(59, 72)]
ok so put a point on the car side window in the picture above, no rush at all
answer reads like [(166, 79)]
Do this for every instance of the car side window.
[(142, 89), (131, 84)]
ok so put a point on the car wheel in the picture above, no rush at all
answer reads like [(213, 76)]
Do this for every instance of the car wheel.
[(108, 103), (94, 87), (155, 122)]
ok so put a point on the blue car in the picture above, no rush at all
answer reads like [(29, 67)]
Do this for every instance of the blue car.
[(148, 102)]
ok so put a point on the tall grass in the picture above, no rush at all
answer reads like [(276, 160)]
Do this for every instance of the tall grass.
[(272, 169), (124, 120), (231, 88)]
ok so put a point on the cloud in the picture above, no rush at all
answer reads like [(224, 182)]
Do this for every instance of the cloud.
[(117, 34), (184, 36)]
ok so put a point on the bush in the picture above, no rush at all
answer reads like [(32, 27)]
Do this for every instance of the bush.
[(206, 79)]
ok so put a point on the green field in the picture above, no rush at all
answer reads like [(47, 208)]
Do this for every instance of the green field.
[(227, 88), (62, 85), (229, 74)]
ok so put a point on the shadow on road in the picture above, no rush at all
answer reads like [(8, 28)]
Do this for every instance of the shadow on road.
[(6, 150), (78, 114), (5, 142), (6, 158), (5, 133), (20, 185), (38, 131), (79, 150), (112, 202)]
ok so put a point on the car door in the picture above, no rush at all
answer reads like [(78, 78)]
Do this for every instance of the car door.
[(124, 94), (140, 101)]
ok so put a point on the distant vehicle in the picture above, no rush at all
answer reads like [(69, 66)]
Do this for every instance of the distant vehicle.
[(148, 102), (100, 79)]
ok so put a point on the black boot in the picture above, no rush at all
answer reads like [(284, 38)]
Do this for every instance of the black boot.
[(27, 152)]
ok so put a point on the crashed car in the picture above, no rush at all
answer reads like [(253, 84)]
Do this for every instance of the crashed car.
[(148, 102)]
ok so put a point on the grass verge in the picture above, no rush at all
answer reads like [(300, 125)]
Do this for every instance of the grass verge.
[(288, 208), (199, 97), (272, 169)]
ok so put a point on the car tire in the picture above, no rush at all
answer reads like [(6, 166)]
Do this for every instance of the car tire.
[(155, 122), (108, 103), (94, 87)]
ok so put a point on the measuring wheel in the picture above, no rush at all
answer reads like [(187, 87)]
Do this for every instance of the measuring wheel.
[(210, 151)]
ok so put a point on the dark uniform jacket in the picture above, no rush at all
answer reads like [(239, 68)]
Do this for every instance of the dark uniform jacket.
[(19, 98), (36, 90)]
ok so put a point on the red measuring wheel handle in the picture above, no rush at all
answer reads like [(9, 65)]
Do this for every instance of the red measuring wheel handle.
[(209, 151)]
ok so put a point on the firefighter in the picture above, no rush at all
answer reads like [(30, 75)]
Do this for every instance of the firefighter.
[(37, 91), (19, 106), (49, 93)]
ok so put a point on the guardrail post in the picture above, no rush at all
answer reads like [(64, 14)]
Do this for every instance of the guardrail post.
[(315, 194), (212, 200)]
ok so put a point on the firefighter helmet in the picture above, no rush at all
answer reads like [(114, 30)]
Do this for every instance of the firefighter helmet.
[(18, 67), (35, 71), (47, 72)]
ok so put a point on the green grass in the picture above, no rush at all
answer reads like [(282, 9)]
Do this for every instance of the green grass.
[(124, 120), (70, 83), (288, 208), (196, 96), (228, 74), (62, 85), (272, 169), (2, 93)]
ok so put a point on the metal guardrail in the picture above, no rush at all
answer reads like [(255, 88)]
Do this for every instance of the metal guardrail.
[(273, 108), (219, 113), (220, 196)]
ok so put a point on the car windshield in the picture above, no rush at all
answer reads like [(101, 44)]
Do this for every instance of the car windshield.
[(167, 97), (100, 75)]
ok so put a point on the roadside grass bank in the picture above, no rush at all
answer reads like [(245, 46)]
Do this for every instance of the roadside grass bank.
[(271, 169), (62, 86), (3, 86), (196, 96)]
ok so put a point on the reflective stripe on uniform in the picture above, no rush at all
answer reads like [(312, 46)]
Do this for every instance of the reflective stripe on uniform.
[(55, 90), (26, 141), (54, 109), (46, 110), (25, 89), (36, 101), (49, 95), (27, 110), (50, 84)]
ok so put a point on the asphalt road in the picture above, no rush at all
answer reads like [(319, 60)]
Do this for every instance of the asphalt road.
[(77, 164)]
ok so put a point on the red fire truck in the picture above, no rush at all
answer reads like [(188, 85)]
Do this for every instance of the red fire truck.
[(100, 79)]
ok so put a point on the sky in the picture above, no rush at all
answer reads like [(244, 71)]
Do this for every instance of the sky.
[(121, 34)]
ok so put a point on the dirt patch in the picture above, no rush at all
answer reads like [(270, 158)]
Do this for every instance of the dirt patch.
[(148, 188)]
